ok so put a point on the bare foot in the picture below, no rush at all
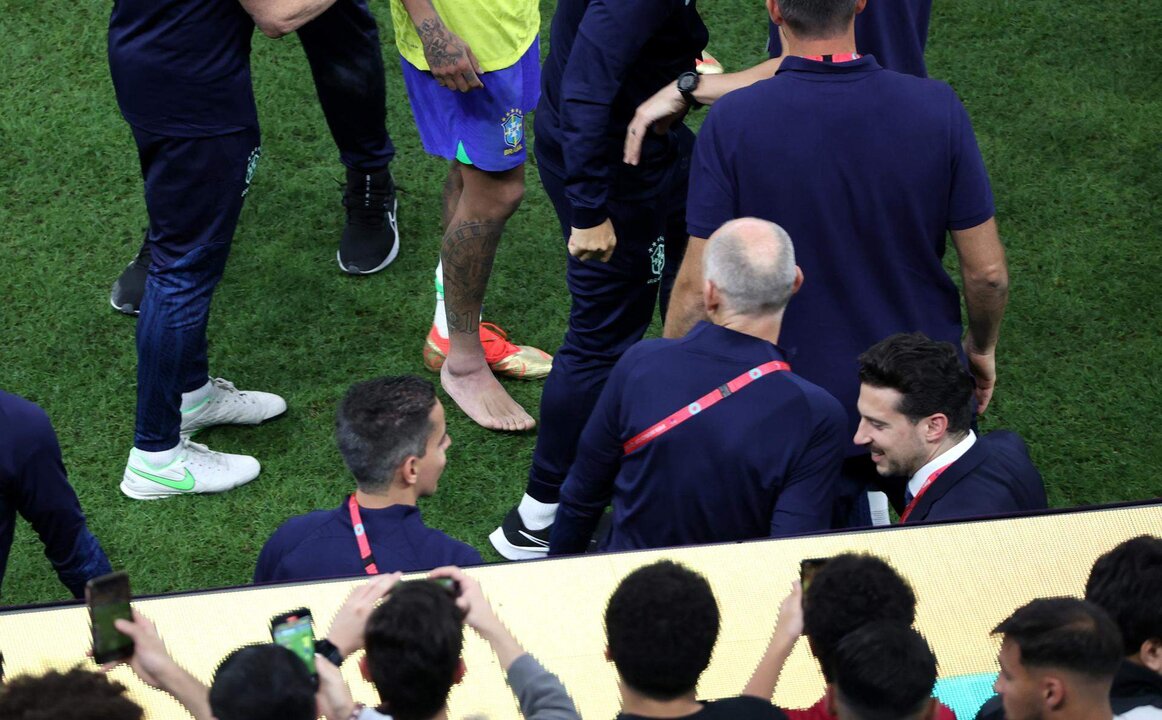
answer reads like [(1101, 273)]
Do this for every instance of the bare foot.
[(482, 398)]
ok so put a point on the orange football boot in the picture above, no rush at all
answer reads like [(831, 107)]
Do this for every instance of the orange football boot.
[(522, 362)]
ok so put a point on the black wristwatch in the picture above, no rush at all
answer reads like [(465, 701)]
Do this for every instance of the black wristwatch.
[(687, 84), (327, 649)]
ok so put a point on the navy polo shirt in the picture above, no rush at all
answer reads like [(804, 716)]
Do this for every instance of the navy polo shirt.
[(322, 544), (759, 463), (181, 68), (895, 31), (867, 170), (605, 58), (33, 483)]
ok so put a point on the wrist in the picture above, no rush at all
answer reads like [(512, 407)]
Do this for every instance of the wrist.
[(334, 653)]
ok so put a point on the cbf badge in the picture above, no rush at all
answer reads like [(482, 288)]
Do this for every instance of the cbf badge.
[(251, 166), (513, 126), (657, 259)]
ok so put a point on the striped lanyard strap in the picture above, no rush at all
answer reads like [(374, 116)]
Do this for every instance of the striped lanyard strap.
[(361, 538), (923, 489), (709, 399)]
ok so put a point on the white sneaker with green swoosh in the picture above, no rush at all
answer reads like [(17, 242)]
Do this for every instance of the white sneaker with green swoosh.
[(197, 469)]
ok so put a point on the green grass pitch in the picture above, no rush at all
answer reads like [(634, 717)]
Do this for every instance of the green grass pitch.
[(1065, 98)]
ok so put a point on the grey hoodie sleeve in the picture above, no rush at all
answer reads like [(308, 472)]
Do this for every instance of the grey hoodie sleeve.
[(540, 694)]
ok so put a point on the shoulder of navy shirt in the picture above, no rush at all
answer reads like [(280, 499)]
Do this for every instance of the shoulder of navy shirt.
[(321, 544), (774, 450), (994, 477)]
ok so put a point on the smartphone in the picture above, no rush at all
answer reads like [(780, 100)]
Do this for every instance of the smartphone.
[(449, 585), (108, 600), (295, 631), (807, 570)]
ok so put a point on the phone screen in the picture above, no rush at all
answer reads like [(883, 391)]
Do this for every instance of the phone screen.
[(296, 633), (108, 600), (807, 570)]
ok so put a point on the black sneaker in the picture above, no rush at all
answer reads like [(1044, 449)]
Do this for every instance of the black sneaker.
[(514, 541), (371, 238), (129, 288)]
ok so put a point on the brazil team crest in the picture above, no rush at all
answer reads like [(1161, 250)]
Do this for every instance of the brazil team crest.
[(513, 125), (657, 259)]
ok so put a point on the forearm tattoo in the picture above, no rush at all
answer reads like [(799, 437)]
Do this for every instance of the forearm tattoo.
[(441, 46), (468, 252)]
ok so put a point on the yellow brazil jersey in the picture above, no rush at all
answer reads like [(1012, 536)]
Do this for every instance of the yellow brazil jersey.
[(498, 31)]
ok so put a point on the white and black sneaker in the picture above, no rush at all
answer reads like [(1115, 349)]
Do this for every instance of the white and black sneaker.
[(514, 541), (129, 288), (225, 404), (370, 239)]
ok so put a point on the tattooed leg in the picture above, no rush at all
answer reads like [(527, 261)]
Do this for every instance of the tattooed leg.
[(453, 187), (487, 200)]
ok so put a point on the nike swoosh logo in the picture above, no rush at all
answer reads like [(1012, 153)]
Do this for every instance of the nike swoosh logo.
[(185, 484), (538, 541)]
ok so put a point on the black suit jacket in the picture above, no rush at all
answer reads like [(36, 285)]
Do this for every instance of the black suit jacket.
[(995, 476)]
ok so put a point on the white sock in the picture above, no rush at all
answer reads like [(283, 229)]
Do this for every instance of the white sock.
[(159, 459), (535, 514), (441, 320), (193, 398)]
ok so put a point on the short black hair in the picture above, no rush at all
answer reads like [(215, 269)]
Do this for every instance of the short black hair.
[(850, 591), (414, 641), (1065, 633), (661, 624), (76, 694), (381, 423), (262, 682), (884, 671), (817, 18), (1126, 582), (927, 373)]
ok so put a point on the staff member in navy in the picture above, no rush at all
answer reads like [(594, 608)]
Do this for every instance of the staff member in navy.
[(181, 73), (711, 437), (915, 406), (868, 170), (623, 224), (343, 49)]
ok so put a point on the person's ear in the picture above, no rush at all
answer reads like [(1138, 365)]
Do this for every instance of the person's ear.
[(461, 671), (860, 6), (1151, 654), (364, 670), (411, 470), (935, 427), (774, 11), (608, 654), (798, 280), (832, 704), (1053, 692), (711, 296)]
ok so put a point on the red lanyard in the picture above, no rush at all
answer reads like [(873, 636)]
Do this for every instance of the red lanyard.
[(702, 403), (361, 538), (923, 489), (841, 58)]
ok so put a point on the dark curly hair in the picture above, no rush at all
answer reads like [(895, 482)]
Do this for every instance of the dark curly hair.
[(661, 624), (413, 644), (850, 591), (77, 694), (1126, 582), (928, 374)]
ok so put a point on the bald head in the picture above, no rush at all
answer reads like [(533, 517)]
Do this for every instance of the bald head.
[(752, 264)]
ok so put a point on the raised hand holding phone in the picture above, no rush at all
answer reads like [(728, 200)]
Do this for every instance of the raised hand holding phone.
[(107, 597)]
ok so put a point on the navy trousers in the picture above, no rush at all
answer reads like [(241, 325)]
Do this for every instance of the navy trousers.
[(342, 47), (612, 307), (194, 188)]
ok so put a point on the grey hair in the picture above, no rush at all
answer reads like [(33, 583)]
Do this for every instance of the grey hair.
[(752, 263)]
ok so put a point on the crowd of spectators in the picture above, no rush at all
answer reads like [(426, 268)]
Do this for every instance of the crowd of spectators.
[(1059, 657)]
